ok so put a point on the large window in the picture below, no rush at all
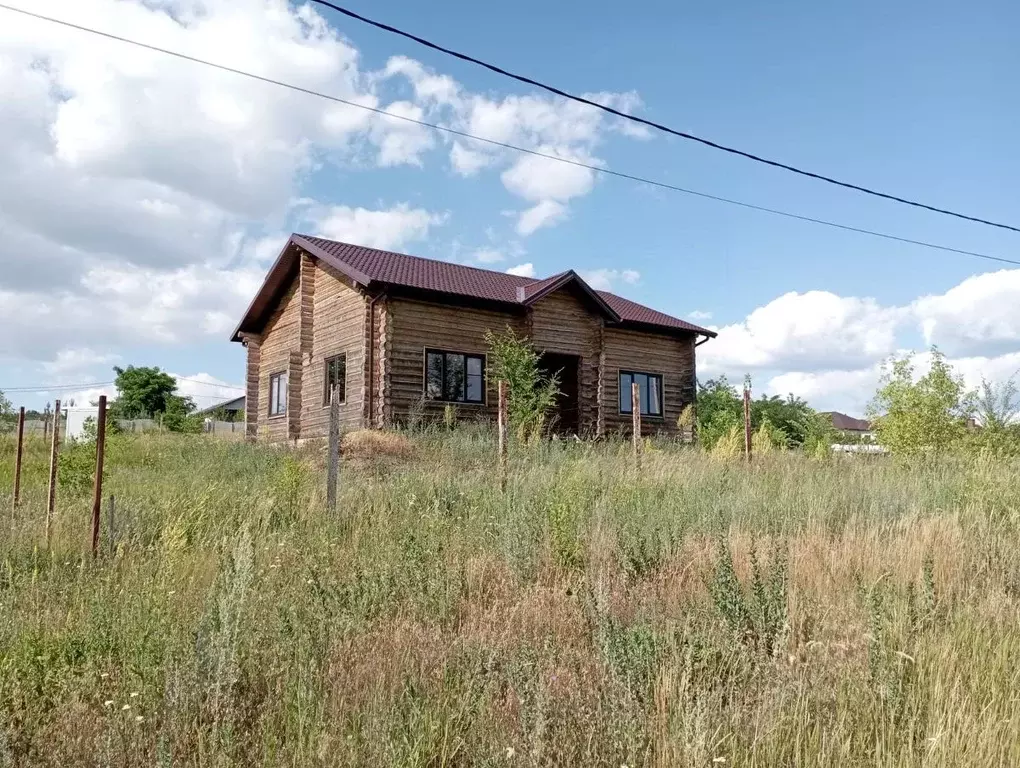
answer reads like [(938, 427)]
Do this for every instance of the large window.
[(336, 376), (278, 394), (454, 376), (649, 389)]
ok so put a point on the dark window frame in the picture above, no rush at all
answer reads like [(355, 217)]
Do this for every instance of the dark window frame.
[(630, 411), (281, 405), (480, 356), (325, 379)]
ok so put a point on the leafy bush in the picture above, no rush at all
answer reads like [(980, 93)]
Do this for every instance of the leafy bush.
[(531, 393)]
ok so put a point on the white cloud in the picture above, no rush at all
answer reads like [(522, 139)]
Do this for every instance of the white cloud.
[(544, 214), (390, 228), (76, 359), (522, 270), (806, 331), (980, 315), (467, 161), (606, 279), (141, 197), (699, 315), (123, 304), (488, 256), (206, 389)]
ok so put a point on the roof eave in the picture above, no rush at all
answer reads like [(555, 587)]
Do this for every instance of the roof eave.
[(254, 312)]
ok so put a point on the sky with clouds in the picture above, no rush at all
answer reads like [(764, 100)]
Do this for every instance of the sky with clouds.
[(143, 197)]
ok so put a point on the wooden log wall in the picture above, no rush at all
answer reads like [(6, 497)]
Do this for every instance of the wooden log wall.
[(279, 339), (338, 311), (669, 356), (412, 326), (564, 322)]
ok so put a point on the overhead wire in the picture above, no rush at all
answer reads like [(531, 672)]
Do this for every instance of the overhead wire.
[(658, 126), (505, 145)]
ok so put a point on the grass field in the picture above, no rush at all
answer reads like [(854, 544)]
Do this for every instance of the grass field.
[(697, 612)]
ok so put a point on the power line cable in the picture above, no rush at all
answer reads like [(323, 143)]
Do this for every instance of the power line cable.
[(525, 150), (658, 126)]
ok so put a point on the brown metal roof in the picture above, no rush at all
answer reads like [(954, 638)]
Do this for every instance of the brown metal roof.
[(371, 268), (842, 421)]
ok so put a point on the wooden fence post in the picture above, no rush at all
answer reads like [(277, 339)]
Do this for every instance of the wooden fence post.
[(333, 470), (112, 533), (17, 460), (97, 488), (51, 496), (747, 423), (501, 424), (635, 407)]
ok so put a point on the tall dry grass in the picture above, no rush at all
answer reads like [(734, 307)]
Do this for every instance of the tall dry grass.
[(700, 612)]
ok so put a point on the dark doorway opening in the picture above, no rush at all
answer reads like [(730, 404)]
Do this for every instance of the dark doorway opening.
[(565, 416)]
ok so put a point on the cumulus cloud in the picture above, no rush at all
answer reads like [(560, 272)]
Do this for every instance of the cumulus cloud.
[(807, 331), (608, 279), (141, 197), (831, 349), (980, 315), (75, 359), (522, 270), (699, 315), (543, 214), (387, 229), (488, 256)]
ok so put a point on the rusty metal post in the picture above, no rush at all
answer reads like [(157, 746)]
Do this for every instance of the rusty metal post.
[(97, 488), (635, 409), (333, 470), (747, 423), (501, 425), (17, 459), (51, 496)]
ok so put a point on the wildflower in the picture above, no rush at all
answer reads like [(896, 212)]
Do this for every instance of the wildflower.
[(134, 694), (125, 708), (104, 675), (139, 718), (718, 759), (510, 751), (108, 702)]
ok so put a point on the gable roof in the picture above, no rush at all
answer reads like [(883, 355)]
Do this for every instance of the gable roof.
[(371, 268), (842, 421)]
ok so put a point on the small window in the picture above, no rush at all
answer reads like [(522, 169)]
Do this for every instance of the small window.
[(454, 377), (336, 376), (278, 394), (649, 391)]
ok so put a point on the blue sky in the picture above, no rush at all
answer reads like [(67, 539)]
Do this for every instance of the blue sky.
[(915, 99)]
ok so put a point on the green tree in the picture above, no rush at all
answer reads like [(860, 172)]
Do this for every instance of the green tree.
[(142, 392), (531, 393), (788, 422), (928, 416), (719, 410), (7, 420), (997, 409), (177, 416)]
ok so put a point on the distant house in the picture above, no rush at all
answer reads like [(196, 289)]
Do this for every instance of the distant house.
[(398, 334), (232, 408), (844, 423)]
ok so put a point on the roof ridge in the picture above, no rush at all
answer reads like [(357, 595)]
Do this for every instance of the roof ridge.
[(423, 258)]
